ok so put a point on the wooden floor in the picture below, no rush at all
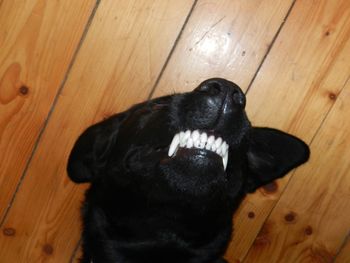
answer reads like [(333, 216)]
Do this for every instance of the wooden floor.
[(67, 64)]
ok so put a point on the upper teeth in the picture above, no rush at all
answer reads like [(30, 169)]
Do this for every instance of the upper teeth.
[(195, 139)]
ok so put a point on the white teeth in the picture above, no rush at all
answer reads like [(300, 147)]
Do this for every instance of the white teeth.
[(195, 135), (211, 139), (224, 160), (199, 140), (223, 148), (189, 143), (174, 144), (201, 145), (218, 142), (187, 134), (197, 143), (204, 137)]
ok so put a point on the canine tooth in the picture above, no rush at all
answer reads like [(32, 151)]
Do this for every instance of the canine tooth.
[(174, 144), (225, 160), (218, 142), (189, 143), (203, 137), (195, 135)]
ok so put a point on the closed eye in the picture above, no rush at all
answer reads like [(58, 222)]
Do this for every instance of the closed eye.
[(158, 106)]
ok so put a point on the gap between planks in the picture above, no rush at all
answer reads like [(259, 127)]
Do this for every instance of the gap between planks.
[(172, 50), (37, 141)]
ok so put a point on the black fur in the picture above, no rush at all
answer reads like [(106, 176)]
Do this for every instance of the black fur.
[(144, 206)]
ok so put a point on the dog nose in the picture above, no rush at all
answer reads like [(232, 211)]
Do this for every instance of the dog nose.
[(220, 89)]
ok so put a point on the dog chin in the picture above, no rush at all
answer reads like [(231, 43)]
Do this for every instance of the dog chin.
[(200, 159), (193, 169)]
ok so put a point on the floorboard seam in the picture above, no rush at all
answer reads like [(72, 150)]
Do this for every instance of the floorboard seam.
[(249, 86), (343, 244), (270, 46), (172, 50), (36, 144)]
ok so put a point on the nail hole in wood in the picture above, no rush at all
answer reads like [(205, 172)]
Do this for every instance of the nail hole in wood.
[(332, 96), (24, 90), (48, 249), (290, 217), (251, 215), (308, 230), (9, 231)]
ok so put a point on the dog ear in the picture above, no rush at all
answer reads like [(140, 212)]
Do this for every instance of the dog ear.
[(271, 154), (89, 152)]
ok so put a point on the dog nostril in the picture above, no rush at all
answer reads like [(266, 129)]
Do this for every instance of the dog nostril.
[(238, 97), (211, 88)]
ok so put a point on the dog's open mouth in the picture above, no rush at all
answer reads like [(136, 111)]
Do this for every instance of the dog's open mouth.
[(199, 140)]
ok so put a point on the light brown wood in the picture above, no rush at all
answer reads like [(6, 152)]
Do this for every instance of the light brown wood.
[(301, 80), (118, 63), (78, 255), (344, 253), (37, 41), (312, 219), (293, 91), (223, 39)]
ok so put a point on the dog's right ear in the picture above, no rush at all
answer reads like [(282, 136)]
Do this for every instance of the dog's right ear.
[(89, 153)]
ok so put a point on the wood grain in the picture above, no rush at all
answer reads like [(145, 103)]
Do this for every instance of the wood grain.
[(223, 39), (344, 254), (117, 65), (311, 220), (302, 87), (38, 39), (294, 90)]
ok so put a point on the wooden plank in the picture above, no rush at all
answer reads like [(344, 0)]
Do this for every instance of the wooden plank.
[(344, 253), (294, 90), (311, 220), (223, 39), (38, 39), (117, 65)]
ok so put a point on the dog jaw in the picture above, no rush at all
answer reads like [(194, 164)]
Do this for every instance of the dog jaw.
[(195, 139)]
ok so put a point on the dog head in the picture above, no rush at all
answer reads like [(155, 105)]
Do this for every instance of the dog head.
[(194, 143)]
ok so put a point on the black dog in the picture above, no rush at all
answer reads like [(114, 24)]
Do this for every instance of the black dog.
[(167, 175)]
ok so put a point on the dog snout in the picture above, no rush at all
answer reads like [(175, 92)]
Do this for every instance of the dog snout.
[(218, 90)]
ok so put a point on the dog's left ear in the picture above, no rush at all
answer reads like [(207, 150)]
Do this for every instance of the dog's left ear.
[(91, 149), (271, 154)]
